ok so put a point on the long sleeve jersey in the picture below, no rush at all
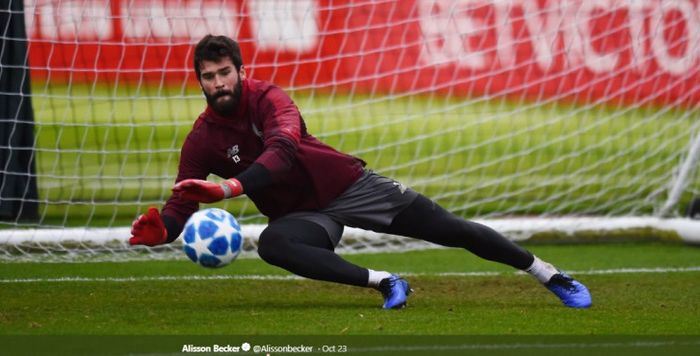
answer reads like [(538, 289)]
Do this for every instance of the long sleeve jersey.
[(267, 129)]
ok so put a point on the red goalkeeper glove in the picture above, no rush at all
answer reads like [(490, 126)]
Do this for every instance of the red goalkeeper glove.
[(148, 229), (203, 191)]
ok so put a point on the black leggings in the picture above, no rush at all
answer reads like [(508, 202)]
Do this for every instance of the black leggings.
[(425, 220), (304, 248)]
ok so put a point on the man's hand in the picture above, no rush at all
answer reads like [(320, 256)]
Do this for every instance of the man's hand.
[(203, 191), (148, 229)]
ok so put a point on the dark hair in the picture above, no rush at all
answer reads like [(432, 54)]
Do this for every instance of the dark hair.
[(214, 48)]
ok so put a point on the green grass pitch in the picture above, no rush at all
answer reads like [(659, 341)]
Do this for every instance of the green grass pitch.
[(451, 296), (645, 302)]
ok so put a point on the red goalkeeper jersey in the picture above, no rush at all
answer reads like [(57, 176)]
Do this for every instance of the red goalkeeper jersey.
[(267, 129)]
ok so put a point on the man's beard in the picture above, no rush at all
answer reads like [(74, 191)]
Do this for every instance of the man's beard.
[(226, 107)]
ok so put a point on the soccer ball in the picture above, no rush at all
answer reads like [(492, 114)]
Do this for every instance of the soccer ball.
[(212, 238)]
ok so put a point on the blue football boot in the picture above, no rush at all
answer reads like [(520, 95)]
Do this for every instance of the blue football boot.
[(395, 291), (571, 292)]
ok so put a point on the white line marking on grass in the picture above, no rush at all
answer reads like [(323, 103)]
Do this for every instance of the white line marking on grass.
[(577, 273), (271, 277), (639, 270)]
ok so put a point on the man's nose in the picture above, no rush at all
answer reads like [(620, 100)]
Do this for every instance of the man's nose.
[(218, 82)]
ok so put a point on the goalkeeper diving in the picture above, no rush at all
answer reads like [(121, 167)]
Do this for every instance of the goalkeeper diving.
[(253, 136)]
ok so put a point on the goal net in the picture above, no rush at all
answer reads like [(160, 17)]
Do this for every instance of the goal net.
[(550, 119)]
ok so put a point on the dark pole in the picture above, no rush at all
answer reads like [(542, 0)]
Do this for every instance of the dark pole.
[(18, 187)]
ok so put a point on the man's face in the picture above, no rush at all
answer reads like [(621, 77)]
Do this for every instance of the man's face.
[(221, 85)]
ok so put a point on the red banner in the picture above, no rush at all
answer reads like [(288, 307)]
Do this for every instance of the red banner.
[(613, 51)]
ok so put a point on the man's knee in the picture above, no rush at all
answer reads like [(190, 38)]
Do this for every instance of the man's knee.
[(271, 246)]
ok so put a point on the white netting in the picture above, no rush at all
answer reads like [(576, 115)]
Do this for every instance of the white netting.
[(494, 108)]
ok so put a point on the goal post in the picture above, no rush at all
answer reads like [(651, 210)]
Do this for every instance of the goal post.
[(546, 119), (18, 190)]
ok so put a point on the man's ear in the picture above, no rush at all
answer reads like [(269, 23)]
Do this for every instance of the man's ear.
[(241, 73)]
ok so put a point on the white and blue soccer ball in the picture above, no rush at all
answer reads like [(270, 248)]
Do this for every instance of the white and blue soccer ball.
[(212, 238)]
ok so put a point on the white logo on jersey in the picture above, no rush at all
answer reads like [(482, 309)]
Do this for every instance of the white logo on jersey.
[(232, 153)]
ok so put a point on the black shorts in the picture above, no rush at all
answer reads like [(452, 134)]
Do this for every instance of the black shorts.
[(371, 203)]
